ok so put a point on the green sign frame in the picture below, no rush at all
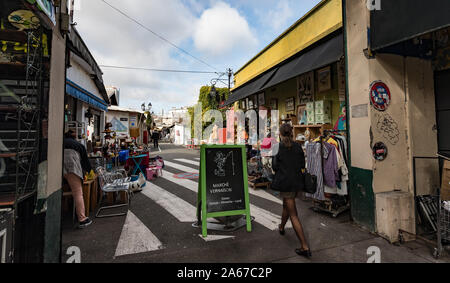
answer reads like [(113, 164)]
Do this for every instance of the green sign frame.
[(202, 201)]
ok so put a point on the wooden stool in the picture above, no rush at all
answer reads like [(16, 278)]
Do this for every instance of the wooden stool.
[(87, 187), (94, 195)]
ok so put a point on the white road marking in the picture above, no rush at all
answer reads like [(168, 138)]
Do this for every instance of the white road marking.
[(197, 158), (266, 218), (211, 238), (136, 238), (179, 208), (188, 161), (180, 167)]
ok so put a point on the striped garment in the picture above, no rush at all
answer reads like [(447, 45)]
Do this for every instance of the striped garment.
[(72, 163), (314, 167)]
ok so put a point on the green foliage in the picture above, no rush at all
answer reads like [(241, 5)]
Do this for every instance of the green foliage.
[(208, 103)]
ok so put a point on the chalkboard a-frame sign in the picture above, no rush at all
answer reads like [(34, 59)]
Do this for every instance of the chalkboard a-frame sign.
[(223, 183)]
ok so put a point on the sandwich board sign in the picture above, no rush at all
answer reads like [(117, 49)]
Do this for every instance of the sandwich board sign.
[(223, 184)]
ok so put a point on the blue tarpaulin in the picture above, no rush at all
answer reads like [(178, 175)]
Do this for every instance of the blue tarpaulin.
[(80, 93)]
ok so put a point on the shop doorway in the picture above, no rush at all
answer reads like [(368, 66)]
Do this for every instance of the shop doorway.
[(442, 91)]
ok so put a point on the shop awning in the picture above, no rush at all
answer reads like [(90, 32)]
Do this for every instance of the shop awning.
[(250, 88), (80, 93), (401, 20), (324, 54)]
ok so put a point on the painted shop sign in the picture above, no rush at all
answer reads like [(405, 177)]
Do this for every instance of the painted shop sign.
[(46, 6), (380, 95)]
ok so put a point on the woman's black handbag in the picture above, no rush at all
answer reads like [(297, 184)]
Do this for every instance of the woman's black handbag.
[(310, 183)]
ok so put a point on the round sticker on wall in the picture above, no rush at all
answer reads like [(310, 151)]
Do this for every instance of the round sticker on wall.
[(380, 96), (380, 151)]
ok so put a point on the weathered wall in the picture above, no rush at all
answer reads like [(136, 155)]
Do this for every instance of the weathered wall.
[(79, 75), (358, 77), (422, 119), (52, 242), (390, 126), (405, 127), (56, 112)]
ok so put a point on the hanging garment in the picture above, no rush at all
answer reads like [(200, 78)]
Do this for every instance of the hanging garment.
[(330, 170), (343, 170), (314, 167)]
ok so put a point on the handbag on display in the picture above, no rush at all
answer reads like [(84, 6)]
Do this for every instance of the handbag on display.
[(310, 183)]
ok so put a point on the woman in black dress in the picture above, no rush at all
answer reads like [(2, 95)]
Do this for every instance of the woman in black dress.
[(288, 165)]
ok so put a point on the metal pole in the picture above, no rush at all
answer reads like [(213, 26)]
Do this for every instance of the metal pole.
[(229, 79)]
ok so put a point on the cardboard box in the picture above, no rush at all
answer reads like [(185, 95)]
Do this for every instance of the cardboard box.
[(445, 188)]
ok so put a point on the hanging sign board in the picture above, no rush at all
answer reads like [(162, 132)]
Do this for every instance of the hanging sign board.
[(223, 184)]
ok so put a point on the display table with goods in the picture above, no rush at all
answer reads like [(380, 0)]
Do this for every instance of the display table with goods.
[(260, 166)]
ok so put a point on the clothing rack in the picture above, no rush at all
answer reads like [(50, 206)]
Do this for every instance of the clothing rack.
[(328, 206)]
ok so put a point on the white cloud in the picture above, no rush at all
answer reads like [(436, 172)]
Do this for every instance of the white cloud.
[(279, 16), (222, 29), (115, 40)]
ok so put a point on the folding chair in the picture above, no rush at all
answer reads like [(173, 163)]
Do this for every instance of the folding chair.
[(113, 182)]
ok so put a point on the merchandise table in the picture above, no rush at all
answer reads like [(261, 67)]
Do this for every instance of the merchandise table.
[(137, 162)]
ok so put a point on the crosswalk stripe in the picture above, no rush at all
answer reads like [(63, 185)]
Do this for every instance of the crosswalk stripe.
[(262, 216), (259, 193), (197, 158), (266, 218), (136, 238), (180, 167), (188, 161), (179, 208)]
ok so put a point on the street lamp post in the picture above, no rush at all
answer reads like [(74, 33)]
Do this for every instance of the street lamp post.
[(213, 91)]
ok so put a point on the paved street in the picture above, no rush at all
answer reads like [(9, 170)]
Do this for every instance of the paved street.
[(158, 228)]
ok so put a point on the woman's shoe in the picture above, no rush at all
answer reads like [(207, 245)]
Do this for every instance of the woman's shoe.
[(305, 253), (282, 232)]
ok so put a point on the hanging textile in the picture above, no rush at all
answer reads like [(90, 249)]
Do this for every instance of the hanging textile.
[(314, 159)]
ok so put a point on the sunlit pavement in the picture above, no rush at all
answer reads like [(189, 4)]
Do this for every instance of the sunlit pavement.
[(158, 228)]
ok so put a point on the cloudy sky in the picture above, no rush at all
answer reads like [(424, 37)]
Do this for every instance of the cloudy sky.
[(224, 34)]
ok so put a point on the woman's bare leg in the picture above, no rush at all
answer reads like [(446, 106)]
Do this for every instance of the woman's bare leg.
[(298, 228)]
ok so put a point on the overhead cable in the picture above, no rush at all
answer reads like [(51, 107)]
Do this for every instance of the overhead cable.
[(157, 35)]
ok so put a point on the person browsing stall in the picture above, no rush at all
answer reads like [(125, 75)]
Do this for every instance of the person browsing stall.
[(75, 162)]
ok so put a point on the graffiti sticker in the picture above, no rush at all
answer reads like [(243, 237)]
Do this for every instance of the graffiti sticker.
[(380, 95), (379, 151)]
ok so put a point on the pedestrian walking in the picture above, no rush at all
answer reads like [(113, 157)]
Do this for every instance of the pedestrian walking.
[(288, 165), (156, 136), (75, 162)]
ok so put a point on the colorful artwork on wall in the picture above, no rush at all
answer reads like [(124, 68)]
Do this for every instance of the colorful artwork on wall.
[(305, 88), (324, 79), (290, 104), (341, 123), (119, 126)]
